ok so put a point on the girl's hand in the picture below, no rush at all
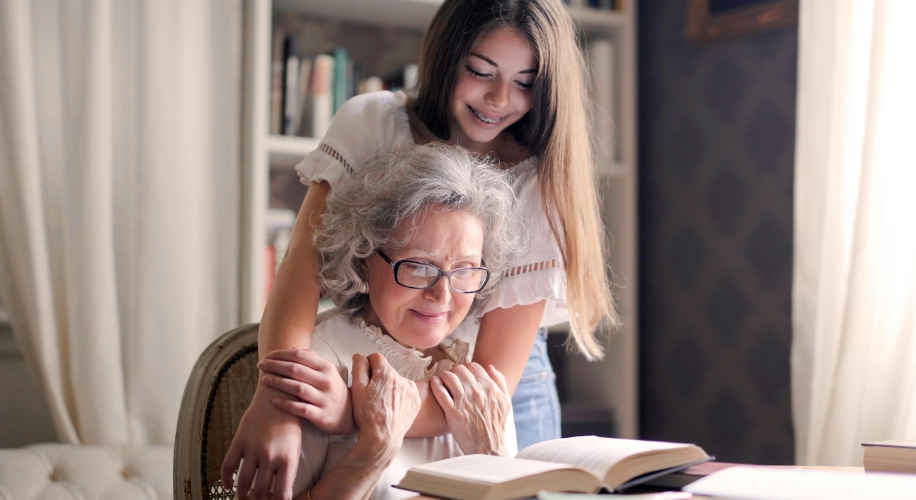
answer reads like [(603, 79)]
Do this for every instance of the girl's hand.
[(323, 397), (476, 403), (267, 444), (384, 405)]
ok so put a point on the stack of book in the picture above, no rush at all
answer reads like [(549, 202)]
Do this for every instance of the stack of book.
[(306, 91), (890, 456)]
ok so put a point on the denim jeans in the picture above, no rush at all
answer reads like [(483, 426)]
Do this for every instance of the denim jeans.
[(535, 403)]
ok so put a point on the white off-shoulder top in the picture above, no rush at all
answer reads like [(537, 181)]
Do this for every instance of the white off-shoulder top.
[(370, 125)]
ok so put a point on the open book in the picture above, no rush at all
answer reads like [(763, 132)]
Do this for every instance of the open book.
[(578, 464)]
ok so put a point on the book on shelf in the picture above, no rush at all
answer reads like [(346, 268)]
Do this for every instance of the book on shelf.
[(290, 83), (322, 102), (303, 107), (276, 84), (341, 60), (584, 464), (280, 223), (890, 456)]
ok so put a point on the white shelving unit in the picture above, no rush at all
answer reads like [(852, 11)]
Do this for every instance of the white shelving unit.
[(617, 374)]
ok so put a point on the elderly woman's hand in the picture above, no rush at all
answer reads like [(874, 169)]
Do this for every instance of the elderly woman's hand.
[(476, 403), (323, 396), (384, 404)]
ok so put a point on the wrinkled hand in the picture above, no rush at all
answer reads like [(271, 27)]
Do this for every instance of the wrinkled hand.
[(323, 397), (384, 403), (267, 443), (476, 403)]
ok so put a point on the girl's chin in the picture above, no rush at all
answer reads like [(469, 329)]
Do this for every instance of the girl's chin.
[(481, 136)]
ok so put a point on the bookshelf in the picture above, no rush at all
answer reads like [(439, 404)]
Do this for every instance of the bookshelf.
[(266, 155)]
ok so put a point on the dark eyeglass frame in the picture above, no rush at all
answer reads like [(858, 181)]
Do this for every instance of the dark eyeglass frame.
[(448, 274)]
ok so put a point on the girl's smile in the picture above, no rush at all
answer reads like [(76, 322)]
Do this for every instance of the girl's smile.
[(493, 89)]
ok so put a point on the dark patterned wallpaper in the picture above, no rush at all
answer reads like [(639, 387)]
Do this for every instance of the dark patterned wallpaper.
[(717, 138)]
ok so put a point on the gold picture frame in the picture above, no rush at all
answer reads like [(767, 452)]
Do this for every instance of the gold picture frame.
[(713, 20)]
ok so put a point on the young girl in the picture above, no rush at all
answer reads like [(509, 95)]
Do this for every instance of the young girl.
[(498, 77)]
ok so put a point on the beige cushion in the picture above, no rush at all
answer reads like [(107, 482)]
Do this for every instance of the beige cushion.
[(62, 472)]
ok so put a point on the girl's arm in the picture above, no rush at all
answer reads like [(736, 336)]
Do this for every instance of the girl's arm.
[(289, 317), (268, 439), (504, 341)]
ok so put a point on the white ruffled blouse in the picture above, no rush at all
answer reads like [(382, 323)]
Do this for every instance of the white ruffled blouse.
[(337, 339), (370, 125)]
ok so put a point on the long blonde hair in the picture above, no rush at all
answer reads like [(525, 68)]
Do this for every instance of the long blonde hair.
[(556, 130)]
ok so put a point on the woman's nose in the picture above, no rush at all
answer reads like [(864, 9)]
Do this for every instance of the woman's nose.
[(498, 94), (440, 292)]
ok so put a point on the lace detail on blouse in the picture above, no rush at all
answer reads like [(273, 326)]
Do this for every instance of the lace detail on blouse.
[(328, 150), (527, 268), (411, 363)]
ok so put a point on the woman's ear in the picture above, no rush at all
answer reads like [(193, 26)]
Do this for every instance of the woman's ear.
[(364, 271)]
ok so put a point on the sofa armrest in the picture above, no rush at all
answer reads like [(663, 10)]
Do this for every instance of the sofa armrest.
[(61, 471)]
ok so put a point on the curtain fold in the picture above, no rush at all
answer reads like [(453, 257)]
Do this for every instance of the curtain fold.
[(120, 171), (854, 279)]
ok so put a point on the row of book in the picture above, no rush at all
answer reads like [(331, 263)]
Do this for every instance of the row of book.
[(306, 91)]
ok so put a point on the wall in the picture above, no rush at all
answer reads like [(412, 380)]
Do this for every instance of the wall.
[(717, 127)]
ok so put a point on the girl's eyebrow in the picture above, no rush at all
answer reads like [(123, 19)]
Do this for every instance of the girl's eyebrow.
[(493, 63)]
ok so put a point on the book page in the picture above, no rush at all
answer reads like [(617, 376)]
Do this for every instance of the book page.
[(487, 469), (897, 443), (765, 483), (594, 454)]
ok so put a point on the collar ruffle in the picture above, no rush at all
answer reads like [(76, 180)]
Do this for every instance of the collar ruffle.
[(411, 363)]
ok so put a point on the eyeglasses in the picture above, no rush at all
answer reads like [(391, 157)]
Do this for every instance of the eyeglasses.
[(420, 276)]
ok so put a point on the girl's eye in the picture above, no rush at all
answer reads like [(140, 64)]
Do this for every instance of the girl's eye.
[(477, 74), (524, 86)]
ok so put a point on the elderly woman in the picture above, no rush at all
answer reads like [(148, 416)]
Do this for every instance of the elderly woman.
[(407, 248)]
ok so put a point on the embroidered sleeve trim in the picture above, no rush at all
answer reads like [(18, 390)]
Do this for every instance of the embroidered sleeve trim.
[(528, 268), (328, 150)]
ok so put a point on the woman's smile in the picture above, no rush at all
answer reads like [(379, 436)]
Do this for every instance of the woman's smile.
[(430, 317)]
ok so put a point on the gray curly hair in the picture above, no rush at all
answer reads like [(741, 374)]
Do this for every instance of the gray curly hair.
[(363, 213)]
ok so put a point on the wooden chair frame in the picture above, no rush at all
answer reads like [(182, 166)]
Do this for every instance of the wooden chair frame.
[(216, 396)]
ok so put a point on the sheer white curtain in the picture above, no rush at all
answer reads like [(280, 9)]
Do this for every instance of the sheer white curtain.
[(119, 190), (854, 304)]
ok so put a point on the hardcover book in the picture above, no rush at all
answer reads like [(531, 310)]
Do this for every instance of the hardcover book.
[(579, 464), (890, 456)]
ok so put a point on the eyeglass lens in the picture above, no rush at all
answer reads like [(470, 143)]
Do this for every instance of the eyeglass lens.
[(417, 275)]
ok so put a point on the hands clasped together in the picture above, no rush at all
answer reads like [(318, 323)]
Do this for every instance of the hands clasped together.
[(381, 406)]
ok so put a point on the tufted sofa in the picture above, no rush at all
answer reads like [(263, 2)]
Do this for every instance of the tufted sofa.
[(62, 472)]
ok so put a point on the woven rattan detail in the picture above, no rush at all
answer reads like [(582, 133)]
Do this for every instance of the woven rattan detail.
[(229, 397)]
